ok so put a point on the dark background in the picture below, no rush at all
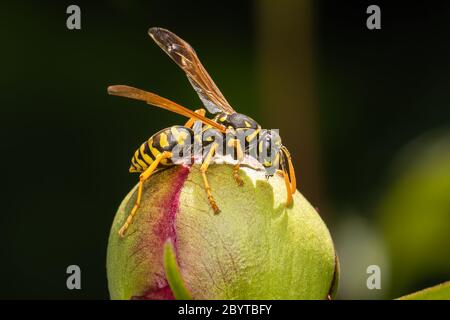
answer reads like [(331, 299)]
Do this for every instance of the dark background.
[(349, 100)]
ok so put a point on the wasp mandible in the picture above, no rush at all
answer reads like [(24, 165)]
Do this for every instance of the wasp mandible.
[(156, 153)]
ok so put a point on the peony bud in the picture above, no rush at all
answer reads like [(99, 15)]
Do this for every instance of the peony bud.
[(255, 248)]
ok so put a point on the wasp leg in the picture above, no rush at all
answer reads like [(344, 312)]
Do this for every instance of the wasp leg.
[(236, 176), (253, 135), (240, 157), (203, 169), (142, 178), (191, 121)]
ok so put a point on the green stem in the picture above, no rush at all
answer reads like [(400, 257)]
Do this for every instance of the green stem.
[(173, 274)]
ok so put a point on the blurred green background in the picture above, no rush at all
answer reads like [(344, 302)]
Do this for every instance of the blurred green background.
[(366, 115)]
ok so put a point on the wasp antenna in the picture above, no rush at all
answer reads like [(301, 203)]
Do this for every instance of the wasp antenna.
[(293, 180)]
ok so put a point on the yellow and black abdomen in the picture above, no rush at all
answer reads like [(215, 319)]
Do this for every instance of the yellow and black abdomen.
[(164, 140)]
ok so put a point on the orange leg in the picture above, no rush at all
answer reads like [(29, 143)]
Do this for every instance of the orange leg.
[(240, 157), (191, 121), (142, 178), (203, 169)]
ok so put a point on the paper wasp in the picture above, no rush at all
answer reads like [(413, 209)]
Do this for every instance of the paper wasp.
[(156, 152)]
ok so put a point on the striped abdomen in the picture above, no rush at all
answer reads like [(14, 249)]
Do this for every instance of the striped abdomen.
[(164, 140)]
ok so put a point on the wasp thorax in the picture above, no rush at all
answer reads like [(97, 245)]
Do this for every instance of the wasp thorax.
[(236, 120)]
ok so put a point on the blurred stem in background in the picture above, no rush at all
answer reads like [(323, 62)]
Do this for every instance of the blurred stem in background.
[(287, 85)]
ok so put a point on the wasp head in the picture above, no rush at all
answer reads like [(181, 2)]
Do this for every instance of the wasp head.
[(269, 151)]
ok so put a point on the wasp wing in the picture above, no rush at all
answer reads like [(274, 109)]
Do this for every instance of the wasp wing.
[(158, 101), (185, 57)]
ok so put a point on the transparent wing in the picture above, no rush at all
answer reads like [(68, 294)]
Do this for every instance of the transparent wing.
[(158, 101), (185, 57)]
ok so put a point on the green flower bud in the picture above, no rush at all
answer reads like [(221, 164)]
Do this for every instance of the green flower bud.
[(255, 248)]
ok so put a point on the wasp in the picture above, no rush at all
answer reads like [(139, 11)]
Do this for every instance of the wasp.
[(157, 152)]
